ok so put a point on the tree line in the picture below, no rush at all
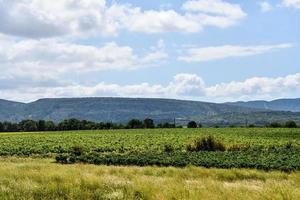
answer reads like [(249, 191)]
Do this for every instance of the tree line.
[(75, 124)]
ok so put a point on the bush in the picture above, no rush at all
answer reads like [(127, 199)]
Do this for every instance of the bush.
[(77, 150), (289, 145), (168, 148), (63, 159), (208, 143)]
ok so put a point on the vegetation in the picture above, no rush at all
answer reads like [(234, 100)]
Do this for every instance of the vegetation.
[(42, 179), (228, 148), (75, 124), (192, 124), (140, 162), (206, 144)]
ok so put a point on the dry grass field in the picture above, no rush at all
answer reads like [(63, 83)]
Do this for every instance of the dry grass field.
[(29, 178)]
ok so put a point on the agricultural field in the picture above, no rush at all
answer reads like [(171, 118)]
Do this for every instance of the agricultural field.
[(251, 163), (258, 148), (46, 143)]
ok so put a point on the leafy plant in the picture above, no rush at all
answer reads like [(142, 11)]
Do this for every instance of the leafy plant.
[(208, 143), (168, 148)]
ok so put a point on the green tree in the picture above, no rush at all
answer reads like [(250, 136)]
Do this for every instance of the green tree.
[(135, 123), (41, 125), (50, 126), (148, 123), (275, 125), (192, 124), (290, 124), (28, 125), (10, 127), (1, 127)]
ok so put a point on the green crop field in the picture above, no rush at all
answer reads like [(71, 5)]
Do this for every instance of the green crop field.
[(260, 163), (44, 143), (259, 148)]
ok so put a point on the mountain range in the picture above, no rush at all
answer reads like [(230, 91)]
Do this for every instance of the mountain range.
[(161, 110), (279, 104)]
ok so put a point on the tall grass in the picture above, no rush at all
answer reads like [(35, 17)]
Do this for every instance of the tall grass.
[(42, 179)]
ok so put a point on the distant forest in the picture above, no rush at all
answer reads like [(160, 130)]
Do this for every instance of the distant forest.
[(75, 124)]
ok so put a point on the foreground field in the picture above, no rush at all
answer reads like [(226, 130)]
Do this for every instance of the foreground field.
[(43, 179)]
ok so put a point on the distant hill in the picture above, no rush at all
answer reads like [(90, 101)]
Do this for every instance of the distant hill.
[(11, 111), (124, 109), (279, 105)]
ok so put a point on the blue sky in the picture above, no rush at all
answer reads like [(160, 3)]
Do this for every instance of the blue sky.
[(207, 50)]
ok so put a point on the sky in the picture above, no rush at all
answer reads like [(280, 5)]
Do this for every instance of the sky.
[(204, 50)]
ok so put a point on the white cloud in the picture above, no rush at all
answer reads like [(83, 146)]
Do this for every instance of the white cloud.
[(50, 57), (215, 12), (257, 87), (221, 52), (292, 3), (183, 86), (197, 15), (265, 6), (45, 63), (42, 18)]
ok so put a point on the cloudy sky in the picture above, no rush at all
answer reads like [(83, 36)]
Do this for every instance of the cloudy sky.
[(208, 50)]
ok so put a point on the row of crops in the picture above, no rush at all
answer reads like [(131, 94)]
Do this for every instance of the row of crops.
[(266, 148), (281, 158)]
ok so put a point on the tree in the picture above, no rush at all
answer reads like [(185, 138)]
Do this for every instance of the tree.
[(28, 125), (69, 124), (10, 127), (275, 125), (148, 123), (135, 123), (192, 124), (290, 124), (50, 126), (41, 125), (1, 127)]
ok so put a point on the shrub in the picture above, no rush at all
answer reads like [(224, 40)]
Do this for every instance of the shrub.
[(63, 159), (208, 143), (77, 150), (289, 145), (168, 148)]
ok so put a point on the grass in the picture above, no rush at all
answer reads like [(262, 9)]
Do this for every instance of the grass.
[(26, 178)]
